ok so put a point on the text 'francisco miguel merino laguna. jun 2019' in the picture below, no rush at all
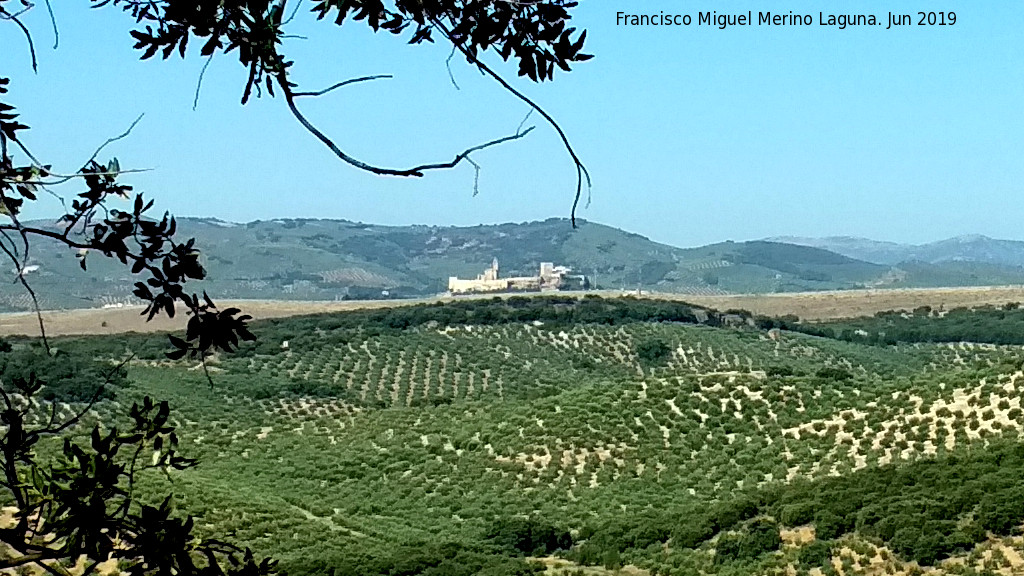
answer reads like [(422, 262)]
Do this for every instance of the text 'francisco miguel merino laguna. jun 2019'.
[(838, 21)]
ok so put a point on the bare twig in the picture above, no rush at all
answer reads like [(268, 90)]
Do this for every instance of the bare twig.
[(199, 84), (62, 178), (341, 84), (18, 13), (448, 65), (416, 171), (18, 264), (476, 176), (52, 569), (206, 370), (292, 15), (5, 15), (53, 23), (27, 152), (581, 170), (22, 560), (14, 245), (525, 118), (115, 138)]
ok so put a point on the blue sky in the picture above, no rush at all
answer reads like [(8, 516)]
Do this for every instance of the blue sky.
[(692, 134)]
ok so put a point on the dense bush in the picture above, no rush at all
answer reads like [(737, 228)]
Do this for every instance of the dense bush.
[(550, 312), (694, 531), (919, 509), (758, 538), (425, 559), (815, 554), (828, 525), (833, 373), (985, 324), (527, 536), (66, 377), (653, 351)]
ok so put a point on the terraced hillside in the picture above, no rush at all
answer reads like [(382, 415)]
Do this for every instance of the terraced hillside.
[(678, 448)]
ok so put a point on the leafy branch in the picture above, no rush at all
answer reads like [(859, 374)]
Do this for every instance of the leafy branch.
[(534, 33), (144, 243), (83, 505)]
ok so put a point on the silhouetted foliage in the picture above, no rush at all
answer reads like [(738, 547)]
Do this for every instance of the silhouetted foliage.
[(83, 505)]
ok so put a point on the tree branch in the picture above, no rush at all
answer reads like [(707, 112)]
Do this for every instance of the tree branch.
[(581, 170), (53, 23), (5, 15), (115, 139), (416, 171), (340, 84), (448, 66), (199, 83), (19, 266)]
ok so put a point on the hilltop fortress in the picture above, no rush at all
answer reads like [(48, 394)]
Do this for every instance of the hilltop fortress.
[(551, 277)]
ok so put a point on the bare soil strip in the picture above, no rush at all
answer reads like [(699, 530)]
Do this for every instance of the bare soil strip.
[(806, 305)]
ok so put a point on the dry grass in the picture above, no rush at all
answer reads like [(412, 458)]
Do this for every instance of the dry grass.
[(852, 303), (128, 319), (806, 305)]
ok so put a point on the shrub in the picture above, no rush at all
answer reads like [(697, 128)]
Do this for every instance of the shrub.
[(527, 536), (653, 351), (759, 538), (828, 525), (815, 555), (797, 514), (779, 371), (694, 533), (66, 377), (833, 373)]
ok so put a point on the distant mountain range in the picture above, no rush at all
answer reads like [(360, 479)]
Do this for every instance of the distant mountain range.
[(335, 259), (969, 248)]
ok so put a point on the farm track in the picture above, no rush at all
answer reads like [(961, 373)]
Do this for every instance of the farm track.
[(806, 305)]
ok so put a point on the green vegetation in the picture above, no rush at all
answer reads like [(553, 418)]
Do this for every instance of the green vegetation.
[(471, 437), (65, 376), (653, 351), (984, 324)]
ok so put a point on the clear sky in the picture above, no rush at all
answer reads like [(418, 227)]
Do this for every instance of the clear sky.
[(692, 134)]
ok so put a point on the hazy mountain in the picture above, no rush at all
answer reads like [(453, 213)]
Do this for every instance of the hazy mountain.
[(875, 251), (970, 248), (335, 259)]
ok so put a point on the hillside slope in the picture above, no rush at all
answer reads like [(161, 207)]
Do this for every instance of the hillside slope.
[(969, 248), (391, 442), (336, 259)]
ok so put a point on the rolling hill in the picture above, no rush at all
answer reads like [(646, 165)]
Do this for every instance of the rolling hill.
[(460, 439), (337, 259)]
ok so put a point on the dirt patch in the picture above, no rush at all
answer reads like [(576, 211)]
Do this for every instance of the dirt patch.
[(797, 536), (556, 565)]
